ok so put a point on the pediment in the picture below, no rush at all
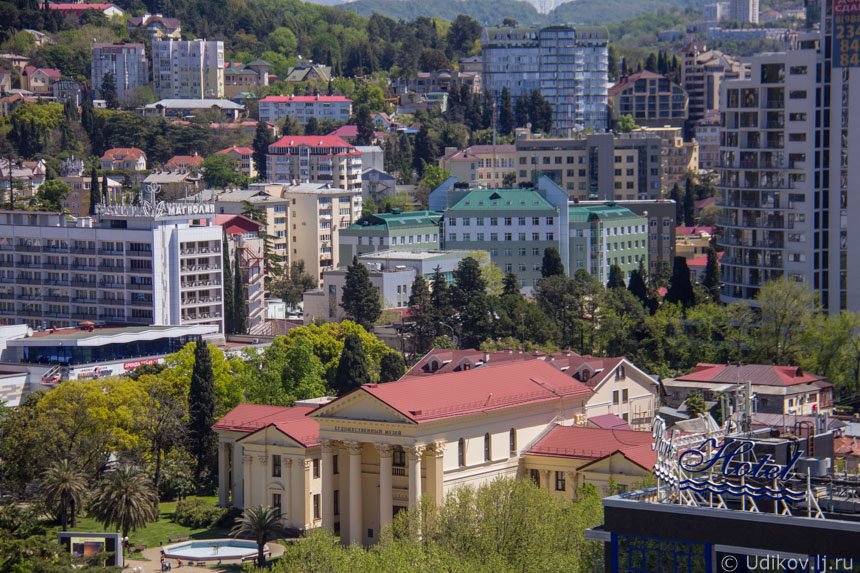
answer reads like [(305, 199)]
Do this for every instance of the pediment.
[(270, 436), (360, 406)]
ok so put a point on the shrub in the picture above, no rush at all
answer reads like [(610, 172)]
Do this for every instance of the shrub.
[(197, 513)]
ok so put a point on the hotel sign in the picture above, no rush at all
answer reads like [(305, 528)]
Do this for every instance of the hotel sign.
[(157, 210), (725, 466), (846, 33)]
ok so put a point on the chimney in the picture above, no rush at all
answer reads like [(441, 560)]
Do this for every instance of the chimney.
[(486, 357)]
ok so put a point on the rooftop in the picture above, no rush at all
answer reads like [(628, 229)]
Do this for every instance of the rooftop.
[(394, 220), (305, 99), (311, 141), (110, 335), (585, 213), (424, 399), (248, 418), (758, 374), (596, 443), (194, 104), (513, 199)]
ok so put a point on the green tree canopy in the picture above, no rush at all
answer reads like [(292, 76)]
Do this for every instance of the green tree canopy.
[(360, 299)]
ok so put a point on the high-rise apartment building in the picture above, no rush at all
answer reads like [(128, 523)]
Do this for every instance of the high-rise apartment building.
[(126, 62), (567, 65), (314, 159), (652, 100), (743, 11), (787, 179), (188, 69), (147, 264), (702, 72), (274, 108)]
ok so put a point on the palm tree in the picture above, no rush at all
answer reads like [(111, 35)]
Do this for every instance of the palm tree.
[(261, 523), (125, 498), (64, 488)]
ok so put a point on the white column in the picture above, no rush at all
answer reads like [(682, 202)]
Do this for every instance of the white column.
[(223, 473), (247, 484), (287, 502), (263, 472), (355, 519), (413, 461), (434, 470), (327, 484), (238, 485), (385, 509), (570, 479), (297, 494)]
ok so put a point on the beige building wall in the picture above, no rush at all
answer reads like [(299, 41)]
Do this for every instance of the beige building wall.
[(627, 393), (615, 471)]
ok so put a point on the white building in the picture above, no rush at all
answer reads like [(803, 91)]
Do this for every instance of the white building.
[(332, 108), (152, 264), (127, 63), (188, 69), (568, 65)]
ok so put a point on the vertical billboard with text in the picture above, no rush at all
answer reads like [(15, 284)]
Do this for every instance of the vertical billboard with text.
[(846, 33)]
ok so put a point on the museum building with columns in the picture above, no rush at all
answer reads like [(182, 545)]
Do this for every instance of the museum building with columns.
[(351, 463)]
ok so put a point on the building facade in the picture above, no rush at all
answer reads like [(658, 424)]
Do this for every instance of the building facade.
[(702, 72), (244, 157), (606, 235), (332, 108), (567, 65), (440, 81), (127, 63), (123, 159), (248, 237), (314, 158), (598, 166), (652, 100), (678, 157), (707, 133), (156, 26), (405, 231), (139, 265), (481, 165), (188, 69)]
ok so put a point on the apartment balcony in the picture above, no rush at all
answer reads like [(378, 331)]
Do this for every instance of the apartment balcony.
[(117, 286), (55, 266), (84, 300), (136, 271), (29, 248), (201, 301), (7, 247), (30, 312), (29, 264), (55, 249), (55, 298), (7, 264), (82, 315), (81, 267), (112, 301), (83, 251), (112, 317), (110, 268), (139, 302), (111, 253), (28, 281), (57, 314), (89, 283)]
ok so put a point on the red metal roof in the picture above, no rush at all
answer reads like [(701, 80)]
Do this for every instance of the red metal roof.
[(123, 153), (682, 230), (236, 224), (630, 80), (431, 398), (609, 422), (595, 444), (248, 418), (446, 360), (346, 131), (305, 99), (184, 161), (236, 149), (311, 141), (69, 6), (305, 431), (762, 374), (50, 72)]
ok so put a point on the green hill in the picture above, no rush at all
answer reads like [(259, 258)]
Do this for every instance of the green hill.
[(487, 12), (607, 11)]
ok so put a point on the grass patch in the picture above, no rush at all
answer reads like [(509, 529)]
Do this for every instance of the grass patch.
[(159, 532)]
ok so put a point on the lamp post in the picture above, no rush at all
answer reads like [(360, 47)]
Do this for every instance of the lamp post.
[(453, 334)]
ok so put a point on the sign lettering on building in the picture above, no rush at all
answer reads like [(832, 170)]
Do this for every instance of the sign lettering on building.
[(375, 431), (846, 33), (157, 210)]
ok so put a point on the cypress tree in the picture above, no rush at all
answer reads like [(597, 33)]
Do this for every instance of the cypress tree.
[(105, 188), (240, 296), (689, 203), (637, 288), (440, 299), (262, 140), (391, 367), (679, 204), (360, 299), (352, 368), (109, 92), (616, 277), (510, 285), (201, 416), (95, 195), (551, 264), (423, 315), (227, 285), (680, 286), (468, 283), (711, 280), (506, 113)]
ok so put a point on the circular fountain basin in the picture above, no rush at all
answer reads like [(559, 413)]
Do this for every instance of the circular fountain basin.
[(211, 550)]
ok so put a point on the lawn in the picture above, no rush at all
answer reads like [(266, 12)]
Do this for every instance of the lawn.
[(157, 533)]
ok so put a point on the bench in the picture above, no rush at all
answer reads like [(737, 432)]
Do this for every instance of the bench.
[(179, 538)]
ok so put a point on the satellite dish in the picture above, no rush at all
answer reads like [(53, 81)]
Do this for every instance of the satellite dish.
[(529, 125)]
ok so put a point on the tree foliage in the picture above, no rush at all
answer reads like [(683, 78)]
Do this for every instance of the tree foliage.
[(360, 299)]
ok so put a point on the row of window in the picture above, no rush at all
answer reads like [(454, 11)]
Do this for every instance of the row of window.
[(494, 221), (488, 447), (494, 237)]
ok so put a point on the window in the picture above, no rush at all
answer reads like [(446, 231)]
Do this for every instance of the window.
[(560, 482), (336, 502), (615, 397), (316, 467), (512, 442), (398, 457), (494, 221), (488, 448), (276, 503), (461, 452), (317, 506), (624, 397), (535, 476), (276, 466), (334, 464), (508, 221)]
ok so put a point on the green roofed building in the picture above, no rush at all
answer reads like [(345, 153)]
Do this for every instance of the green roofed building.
[(605, 235), (403, 231), (513, 225)]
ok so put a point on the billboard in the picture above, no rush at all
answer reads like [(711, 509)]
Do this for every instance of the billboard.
[(846, 33)]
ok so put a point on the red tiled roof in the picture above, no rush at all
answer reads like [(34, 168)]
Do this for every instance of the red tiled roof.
[(846, 446), (185, 160), (123, 153), (305, 431), (346, 131), (73, 7), (431, 398), (305, 99), (236, 224), (609, 422), (701, 261), (235, 149), (311, 141), (248, 418), (50, 72), (761, 374), (452, 360), (693, 230), (595, 444)]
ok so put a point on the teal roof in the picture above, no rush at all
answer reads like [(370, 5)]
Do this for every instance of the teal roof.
[(583, 213), (393, 221), (513, 199)]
